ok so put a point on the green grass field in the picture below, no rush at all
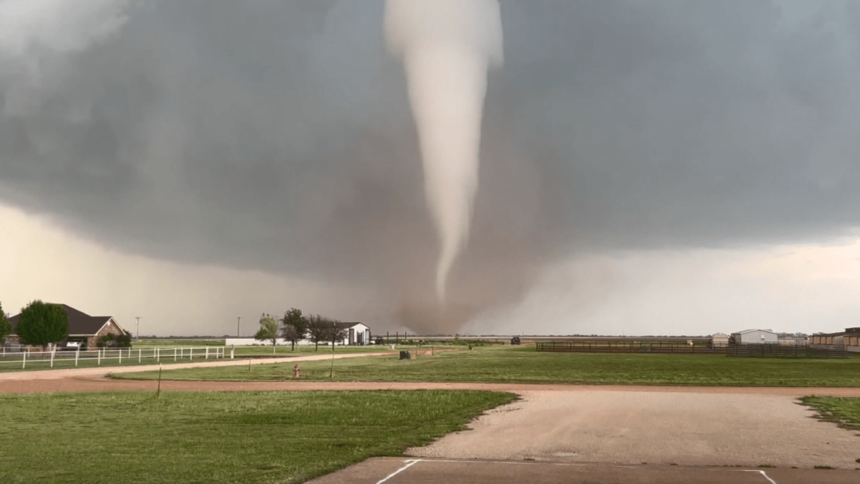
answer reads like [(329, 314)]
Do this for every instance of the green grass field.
[(525, 365), (148, 342), (305, 350), (841, 410), (229, 437)]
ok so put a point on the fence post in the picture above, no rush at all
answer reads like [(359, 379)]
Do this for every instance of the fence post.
[(207, 352), (158, 354), (231, 352), (99, 357), (25, 361), (139, 354), (77, 353), (191, 354), (120, 356), (52, 359), (174, 354)]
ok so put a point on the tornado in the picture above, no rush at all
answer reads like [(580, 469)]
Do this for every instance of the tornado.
[(447, 48)]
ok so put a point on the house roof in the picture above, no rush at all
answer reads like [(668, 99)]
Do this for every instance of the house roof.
[(848, 331), (754, 330), (348, 325), (80, 323)]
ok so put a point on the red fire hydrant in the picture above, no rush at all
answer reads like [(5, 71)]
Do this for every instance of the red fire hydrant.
[(296, 372)]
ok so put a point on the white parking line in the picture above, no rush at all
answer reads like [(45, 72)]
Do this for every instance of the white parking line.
[(411, 462), (762, 473)]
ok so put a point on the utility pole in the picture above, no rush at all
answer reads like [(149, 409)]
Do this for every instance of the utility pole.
[(238, 320), (138, 327)]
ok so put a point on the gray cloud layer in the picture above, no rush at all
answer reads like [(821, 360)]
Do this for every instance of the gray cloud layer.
[(277, 135)]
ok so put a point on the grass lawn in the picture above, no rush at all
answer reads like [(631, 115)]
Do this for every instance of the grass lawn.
[(525, 365), (147, 342), (841, 410), (225, 437), (304, 350)]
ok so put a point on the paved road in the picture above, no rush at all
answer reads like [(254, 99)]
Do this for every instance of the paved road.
[(434, 471)]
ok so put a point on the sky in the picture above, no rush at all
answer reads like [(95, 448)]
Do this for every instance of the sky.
[(647, 167)]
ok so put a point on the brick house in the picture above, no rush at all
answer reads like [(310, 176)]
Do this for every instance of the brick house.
[(82, 328)]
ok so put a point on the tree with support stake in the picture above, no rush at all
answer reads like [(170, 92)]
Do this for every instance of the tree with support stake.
[(268, 330)]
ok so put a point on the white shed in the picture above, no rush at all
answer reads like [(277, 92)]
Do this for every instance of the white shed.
[(755, 336), (356, 334)]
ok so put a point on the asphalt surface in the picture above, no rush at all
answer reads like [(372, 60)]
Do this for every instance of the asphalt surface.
[(427, 471)]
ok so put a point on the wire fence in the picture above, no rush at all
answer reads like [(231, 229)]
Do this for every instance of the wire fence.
[(629, 347), (788, 351), (11, 360)]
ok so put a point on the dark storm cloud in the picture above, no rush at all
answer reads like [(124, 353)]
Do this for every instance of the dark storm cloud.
[(276, 135)]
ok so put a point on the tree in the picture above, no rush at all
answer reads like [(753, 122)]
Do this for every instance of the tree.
[(124, 340), (317, 329), (5, 325), (42, 324), (334, 332), (111, 340), (295, 326), (268, 330)]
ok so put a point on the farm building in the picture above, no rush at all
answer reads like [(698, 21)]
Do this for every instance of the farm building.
[(791, 340), (83, 328), (356, 334), (720, 339), (850, 338), (755, 336)]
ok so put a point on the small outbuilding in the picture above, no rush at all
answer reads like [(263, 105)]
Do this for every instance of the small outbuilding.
[(356, 334), (755, 336), (719, 340)]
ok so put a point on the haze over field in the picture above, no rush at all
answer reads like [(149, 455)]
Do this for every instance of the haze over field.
[(645, 167)]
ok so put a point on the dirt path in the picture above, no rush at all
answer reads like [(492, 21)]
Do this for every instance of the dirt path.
[(100, 383)]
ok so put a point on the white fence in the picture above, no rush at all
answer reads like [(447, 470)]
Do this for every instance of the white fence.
[(107, 356)]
